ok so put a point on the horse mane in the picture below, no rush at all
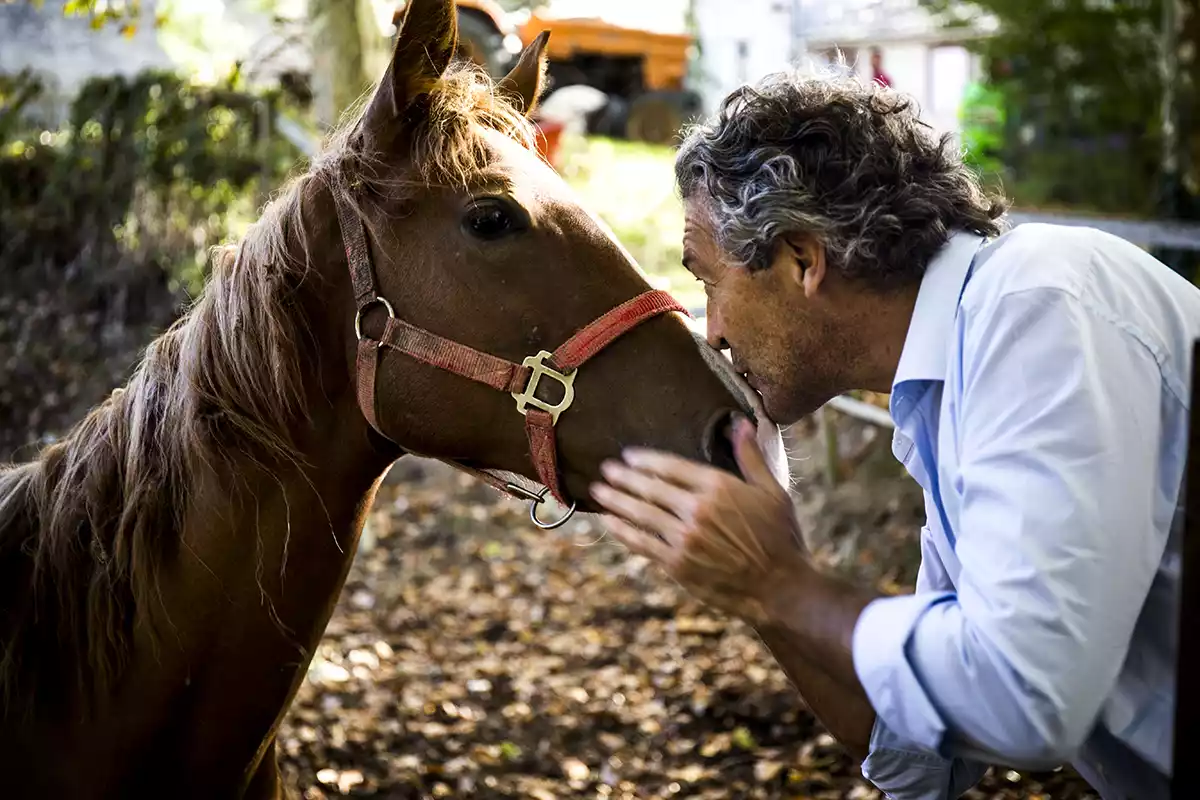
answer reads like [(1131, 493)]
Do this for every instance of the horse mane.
[(87, 525)]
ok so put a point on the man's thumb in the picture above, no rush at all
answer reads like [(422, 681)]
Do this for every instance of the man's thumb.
[(749, 455)]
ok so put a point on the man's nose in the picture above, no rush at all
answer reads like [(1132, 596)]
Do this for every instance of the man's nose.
[(713, 331)]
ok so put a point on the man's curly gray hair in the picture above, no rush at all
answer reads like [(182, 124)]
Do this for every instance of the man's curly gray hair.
[(829, 157)]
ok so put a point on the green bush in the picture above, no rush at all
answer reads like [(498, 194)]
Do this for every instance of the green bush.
[(144, 173), (106, 225)]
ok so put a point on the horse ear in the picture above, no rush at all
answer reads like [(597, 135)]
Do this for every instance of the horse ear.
[(528, 77), (425, 44)]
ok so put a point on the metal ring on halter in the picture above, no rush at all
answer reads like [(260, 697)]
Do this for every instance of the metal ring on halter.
[(535, 501), (359, 314)]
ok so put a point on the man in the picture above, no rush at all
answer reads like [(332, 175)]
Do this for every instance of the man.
[(1039, 384), (877, 73)]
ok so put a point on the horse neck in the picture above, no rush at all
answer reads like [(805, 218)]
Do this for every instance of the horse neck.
[(302, 513), (268, 546)]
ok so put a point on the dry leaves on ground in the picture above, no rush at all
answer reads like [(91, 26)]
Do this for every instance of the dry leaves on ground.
[(473, 656)]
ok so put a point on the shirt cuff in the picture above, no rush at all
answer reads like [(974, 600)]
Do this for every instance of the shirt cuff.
[(881, 661), (901, 772)]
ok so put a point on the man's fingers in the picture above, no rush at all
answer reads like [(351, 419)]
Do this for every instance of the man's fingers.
[(650, 488), (749, 456), (636, 540), (637, 511)]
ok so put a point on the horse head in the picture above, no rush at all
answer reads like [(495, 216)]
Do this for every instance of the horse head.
[(469, 257)]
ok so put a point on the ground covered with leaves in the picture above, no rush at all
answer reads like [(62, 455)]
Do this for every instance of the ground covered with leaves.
[(472, 655)]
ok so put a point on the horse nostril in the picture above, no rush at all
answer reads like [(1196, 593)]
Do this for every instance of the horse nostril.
[(717, 445)]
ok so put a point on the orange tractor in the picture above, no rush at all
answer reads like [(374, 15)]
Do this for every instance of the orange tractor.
[(641, 73)]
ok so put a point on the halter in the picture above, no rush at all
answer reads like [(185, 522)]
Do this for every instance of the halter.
[(520, 380)]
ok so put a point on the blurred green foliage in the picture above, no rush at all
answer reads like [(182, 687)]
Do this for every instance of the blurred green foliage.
[(1084, 98), (110, 205), (126, 14), (631, 187), (145, 173)]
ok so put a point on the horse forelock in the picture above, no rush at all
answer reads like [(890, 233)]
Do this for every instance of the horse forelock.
[(86, 527)]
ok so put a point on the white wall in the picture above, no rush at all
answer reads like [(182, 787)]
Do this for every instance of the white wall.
[(935, 75), (65, 51), (951, 69), (741, 42), (744, 40)]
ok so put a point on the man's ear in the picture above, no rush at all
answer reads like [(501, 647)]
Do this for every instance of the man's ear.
[(427, 39), (806, 265), (527, 79)]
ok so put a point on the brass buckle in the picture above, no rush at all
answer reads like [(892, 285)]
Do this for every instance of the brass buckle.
[(526, 398)]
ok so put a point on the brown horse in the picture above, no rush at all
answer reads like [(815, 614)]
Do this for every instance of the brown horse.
[(167, 569)]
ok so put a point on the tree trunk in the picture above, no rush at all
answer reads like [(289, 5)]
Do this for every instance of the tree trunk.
[(339, 56)]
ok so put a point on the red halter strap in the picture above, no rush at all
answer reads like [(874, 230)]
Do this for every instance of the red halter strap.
[(520, 380)]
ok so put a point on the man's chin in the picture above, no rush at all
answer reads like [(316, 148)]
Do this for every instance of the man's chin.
[(787, 410), (781, 413)]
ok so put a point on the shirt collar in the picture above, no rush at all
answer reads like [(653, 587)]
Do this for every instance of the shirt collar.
[(932, 327)]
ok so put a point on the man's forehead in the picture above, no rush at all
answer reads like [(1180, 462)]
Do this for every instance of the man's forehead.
[(698, 222), (699, 239)]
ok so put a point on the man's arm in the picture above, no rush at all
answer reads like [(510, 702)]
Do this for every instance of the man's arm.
[(810, 637), (893, 763), (747, 558), (736, 545)]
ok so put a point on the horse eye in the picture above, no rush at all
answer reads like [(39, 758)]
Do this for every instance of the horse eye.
[(490, 219)]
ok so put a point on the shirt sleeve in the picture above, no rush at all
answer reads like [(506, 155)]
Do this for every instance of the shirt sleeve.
[(1056, 416), (901, 768)]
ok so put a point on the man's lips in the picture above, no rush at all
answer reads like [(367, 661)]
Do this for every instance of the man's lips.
[(744, 371), (747, 376)]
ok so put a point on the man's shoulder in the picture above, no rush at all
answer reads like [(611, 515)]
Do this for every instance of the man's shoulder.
[(1035, 256), (1084, 263), (1089, 275)]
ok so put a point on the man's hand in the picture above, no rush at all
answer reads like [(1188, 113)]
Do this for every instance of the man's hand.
[(736, 545), (732, 543)]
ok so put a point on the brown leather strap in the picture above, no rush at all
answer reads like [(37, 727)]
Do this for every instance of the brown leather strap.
[(368, 362), (358, 255), (454, 357), (543, 449)]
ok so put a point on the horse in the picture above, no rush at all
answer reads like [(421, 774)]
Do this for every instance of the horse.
[(428, 286)]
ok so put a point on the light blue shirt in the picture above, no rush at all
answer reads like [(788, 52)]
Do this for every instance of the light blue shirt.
[(1041, 402)]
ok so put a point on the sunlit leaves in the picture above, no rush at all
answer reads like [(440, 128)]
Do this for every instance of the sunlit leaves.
[(125, 14), (507, 662)]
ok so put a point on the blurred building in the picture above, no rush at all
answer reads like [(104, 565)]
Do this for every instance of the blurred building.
[(203, 37), (741, 42), (919, 56), (65, 52)]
